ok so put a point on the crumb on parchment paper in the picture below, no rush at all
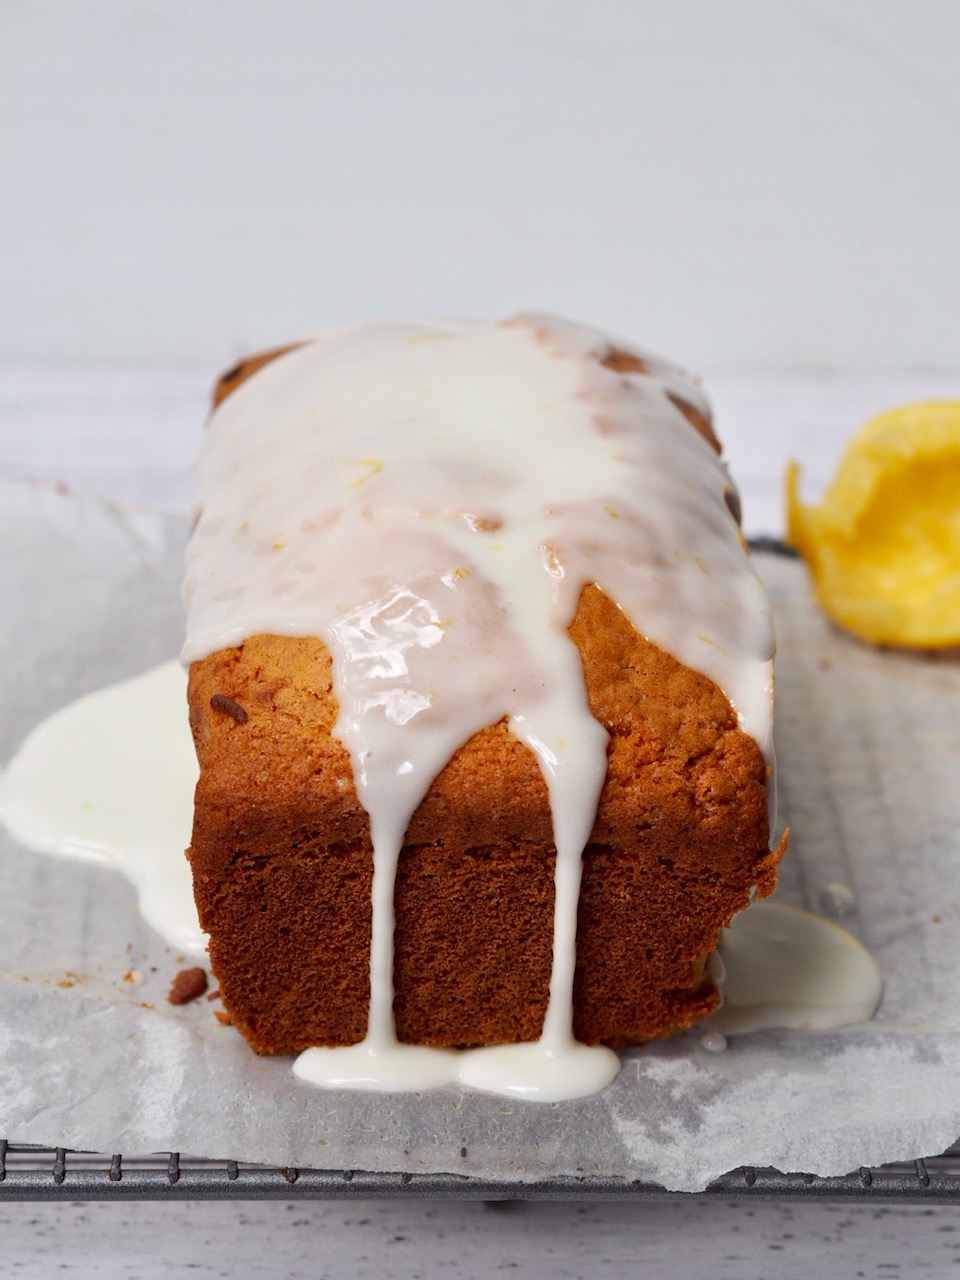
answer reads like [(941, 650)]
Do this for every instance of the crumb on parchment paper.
[(189, 984)]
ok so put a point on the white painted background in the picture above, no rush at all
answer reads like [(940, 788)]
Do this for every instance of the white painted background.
[(744, 184)]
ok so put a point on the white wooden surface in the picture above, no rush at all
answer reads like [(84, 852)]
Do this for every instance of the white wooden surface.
[(131, 436), (392, 1241)]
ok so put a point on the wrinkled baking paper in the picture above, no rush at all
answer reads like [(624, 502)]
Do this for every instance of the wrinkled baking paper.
[(869, 751)]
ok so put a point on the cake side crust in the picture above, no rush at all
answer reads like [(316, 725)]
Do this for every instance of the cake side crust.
[(282, 860)]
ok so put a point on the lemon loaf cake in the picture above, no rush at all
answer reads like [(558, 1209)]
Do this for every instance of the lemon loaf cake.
[(480, 686)]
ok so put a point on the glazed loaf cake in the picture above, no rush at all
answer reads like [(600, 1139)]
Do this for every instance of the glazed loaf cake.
[(470, 616)]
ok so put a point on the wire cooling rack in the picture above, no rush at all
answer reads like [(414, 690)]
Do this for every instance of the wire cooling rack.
[(44, 1173)]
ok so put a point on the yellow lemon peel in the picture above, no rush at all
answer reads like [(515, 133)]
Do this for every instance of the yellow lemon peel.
[(884, 545)]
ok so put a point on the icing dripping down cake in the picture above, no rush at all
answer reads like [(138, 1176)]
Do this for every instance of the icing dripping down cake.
[(480, 686)]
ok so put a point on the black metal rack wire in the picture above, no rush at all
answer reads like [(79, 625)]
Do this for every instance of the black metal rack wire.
[(44, 1173)]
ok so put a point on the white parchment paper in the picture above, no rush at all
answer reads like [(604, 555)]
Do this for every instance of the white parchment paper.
[(869, 751)]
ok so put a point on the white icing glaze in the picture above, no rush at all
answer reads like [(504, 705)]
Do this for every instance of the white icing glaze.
[(81, 786), (110, 779), (535, 1071), (837, 899), (430, 499), (788, 968), (458, 484)]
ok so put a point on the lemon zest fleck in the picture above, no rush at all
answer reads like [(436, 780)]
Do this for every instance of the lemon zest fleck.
[(374, 465)]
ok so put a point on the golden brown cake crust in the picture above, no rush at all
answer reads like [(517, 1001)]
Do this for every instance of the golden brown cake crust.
[(244, 369), (282, 859)]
